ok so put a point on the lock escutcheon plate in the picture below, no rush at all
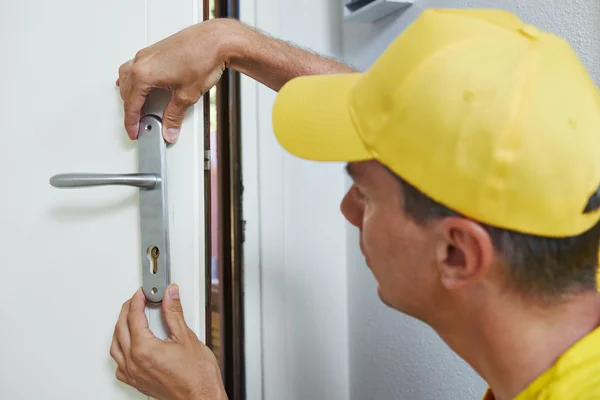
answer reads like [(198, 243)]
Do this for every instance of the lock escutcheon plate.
[(154, 222)]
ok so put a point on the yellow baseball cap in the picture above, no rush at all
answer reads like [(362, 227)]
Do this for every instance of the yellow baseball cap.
[(481, 112)]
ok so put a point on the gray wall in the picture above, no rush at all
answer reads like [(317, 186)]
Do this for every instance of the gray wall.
[(392, 356)]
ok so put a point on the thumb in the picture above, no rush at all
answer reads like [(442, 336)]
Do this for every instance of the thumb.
[(173, 312), (173, 117)]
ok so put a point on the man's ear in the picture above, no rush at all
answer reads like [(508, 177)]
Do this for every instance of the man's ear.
[(464, 252)]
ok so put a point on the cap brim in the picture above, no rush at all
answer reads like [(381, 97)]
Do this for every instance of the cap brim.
[(311, 119)]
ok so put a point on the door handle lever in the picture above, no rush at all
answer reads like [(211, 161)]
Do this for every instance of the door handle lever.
[(142, 181), (154, 223)]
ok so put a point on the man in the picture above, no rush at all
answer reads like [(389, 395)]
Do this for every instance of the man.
[(474, 145)]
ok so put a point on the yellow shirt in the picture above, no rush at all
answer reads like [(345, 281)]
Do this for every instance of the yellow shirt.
[(575, 376)]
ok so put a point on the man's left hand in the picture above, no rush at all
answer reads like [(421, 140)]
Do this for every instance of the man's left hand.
[(180, 367)]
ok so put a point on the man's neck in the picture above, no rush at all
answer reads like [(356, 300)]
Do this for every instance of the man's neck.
[(510, 345)]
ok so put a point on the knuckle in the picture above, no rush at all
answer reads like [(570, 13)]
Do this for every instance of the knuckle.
[(192, 337), (176, 308), (121, 376), (131, 322), (140, 354), (132, 381), (138, 72), (124, 68), (173, 119), (139, 55), (186, 98), (115, 352), (132, 372)]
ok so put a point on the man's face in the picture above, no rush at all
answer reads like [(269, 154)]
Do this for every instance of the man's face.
[(400, 253)]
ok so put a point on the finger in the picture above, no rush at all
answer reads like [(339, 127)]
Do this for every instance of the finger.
[(122, 329), (135, 98), (123, 87), (133, 107), (124, 70), (136, 318), (173, 312), (122, 376), (116, 352), (173, 117)]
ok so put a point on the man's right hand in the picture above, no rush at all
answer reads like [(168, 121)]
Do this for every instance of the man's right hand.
[(187, 64), (190, 62)]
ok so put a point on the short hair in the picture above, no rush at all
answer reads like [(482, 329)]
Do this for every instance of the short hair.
[(544, 267)]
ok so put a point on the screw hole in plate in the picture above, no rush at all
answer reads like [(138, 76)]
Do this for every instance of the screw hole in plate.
[(154, 290), (148, 127)]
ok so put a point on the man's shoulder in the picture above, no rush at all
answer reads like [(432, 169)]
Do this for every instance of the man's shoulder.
[(574, 376)]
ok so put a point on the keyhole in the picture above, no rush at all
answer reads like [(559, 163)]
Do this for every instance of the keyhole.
[(153, 254)]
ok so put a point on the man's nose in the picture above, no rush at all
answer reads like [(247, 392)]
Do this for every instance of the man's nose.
[(351, 210)]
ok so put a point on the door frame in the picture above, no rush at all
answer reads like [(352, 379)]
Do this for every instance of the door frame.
[(185, 177), (253, 317)]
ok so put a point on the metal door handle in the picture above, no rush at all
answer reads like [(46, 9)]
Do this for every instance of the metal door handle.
[(154, 223), (142, 181)]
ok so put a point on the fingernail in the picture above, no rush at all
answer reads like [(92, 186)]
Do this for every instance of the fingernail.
[(134, 131), (172, 134), (174, 292)]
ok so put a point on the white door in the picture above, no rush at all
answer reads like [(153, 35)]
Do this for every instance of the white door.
[(70, 258)]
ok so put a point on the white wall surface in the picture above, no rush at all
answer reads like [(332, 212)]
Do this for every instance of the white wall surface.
[(392, 356)]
